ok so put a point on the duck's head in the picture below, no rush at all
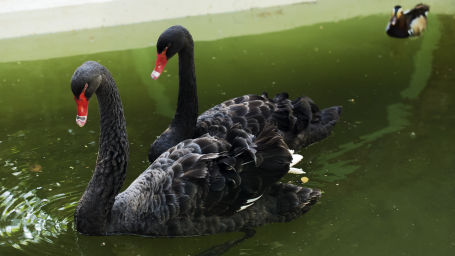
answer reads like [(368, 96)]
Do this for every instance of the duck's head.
[(85, 81), (170, 42), (397, 14)]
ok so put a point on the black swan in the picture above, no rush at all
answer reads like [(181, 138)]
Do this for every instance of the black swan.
[(407, 24), (299, 121), (200, 186)]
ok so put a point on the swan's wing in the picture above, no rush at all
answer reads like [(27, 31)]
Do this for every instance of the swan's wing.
[(217, 182), (299, 121), (205, 176), (249, 111)]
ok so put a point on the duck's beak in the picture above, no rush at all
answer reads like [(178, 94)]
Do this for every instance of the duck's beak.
[(82, 108), (161, 61)]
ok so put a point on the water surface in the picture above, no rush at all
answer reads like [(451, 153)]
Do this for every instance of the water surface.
[(387, 171)]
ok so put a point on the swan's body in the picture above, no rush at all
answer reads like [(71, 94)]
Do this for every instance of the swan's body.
[(299, 121), (409, 23), (200, 186)]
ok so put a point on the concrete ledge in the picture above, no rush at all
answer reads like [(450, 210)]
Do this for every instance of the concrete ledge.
[(110, 25), (27, 17)]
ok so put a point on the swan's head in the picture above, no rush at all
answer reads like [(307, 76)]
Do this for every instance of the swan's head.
[(397, 13), (173, 40), (86, 80)]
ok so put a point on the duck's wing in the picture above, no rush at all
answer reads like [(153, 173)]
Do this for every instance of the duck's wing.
[(418, 10)]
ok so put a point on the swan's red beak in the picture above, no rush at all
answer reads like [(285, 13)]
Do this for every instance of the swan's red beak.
[(82, 108), (161, 61)]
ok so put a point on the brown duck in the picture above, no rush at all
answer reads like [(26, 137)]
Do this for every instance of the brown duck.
[(408, 23)]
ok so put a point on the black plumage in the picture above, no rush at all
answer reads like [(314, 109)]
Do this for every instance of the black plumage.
[(200, 186), (299, 121)]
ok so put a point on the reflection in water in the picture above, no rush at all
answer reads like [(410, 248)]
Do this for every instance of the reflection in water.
[(423, 61), (397, 114), (144, 61), (338, 169)]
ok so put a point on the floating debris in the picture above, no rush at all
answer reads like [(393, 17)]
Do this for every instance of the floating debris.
[(413, 135), (351, 100), (304, 179), (36, 168), (8, 163)]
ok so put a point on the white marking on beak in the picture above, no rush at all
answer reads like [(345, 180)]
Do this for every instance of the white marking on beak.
[(155, 74), (81, 120)]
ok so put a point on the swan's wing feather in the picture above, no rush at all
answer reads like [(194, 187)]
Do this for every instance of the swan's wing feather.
[(249, 111), (253, 179), (220, 176), (295, 119), (208, 176)]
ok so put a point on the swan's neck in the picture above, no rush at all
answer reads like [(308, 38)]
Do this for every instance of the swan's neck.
[(187, 106), (93, 211)]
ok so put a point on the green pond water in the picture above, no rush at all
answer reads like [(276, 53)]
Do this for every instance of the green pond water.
[(387, 171)]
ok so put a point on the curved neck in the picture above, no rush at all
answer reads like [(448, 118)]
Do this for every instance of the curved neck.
[(93, 211), (187, 106)]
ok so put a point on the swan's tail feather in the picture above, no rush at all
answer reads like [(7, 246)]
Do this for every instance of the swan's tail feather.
[(292, 200), (318, 127), (301, 122), (323, 127), (294, 170), (296, 158)]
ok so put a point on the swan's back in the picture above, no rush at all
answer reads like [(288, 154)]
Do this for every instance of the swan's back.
[(205, 180), (299, 121)]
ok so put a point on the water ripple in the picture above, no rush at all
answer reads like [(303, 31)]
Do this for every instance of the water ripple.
[(28, 218)]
